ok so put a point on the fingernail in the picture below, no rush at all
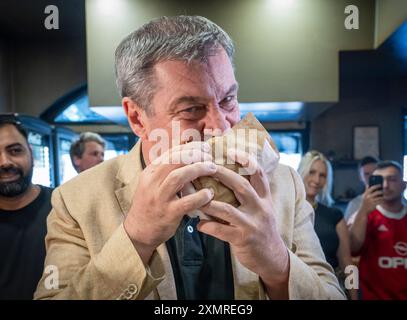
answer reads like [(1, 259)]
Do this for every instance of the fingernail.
[(212, 192)]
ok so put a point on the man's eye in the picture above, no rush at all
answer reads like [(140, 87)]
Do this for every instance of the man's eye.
[(195, 112), (193, 109), (228, 99), (229, 102), (16, 151)]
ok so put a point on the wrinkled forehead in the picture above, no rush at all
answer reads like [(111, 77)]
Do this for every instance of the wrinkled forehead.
[(214, 72)]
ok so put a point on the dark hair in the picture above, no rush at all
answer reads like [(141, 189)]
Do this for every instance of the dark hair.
[(11, 120), (390, 163), (368, 160)]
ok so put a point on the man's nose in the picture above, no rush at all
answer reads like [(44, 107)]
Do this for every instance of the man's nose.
[(4, 159), (216, 121)]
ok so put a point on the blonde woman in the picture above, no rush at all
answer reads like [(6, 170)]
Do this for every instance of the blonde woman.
[(330, 226)]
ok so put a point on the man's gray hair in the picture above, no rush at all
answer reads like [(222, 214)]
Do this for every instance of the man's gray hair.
[(184, 38), (78, 147)]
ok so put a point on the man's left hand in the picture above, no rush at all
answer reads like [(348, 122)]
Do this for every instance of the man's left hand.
[(251, 228)]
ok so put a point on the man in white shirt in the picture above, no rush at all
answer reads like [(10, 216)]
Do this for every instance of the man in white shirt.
[(366, 167)]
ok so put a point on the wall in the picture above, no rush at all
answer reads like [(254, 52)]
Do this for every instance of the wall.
[(44, 70), (284, 53), (390, 14), (34, 73), (5, 78), (372, 93), (334, 129), (38, 65)]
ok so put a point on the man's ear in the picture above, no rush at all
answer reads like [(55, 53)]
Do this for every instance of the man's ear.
[(77, 162), (135, 117)]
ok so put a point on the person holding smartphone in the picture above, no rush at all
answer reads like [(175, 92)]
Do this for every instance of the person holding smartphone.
[(379, 235), (366, 167)]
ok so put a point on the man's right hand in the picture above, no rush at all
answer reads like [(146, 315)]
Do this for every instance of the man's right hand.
[(358, 222), (157, 211), (371, 198)]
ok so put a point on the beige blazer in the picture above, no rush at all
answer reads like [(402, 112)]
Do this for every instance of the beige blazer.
[(90, 256)]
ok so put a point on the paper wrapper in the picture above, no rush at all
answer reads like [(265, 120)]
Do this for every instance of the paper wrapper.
[(247, 135)]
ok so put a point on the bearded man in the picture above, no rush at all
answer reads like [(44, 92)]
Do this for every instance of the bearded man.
[(24, 208)]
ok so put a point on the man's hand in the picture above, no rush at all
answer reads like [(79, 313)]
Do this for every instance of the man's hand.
[(371, 198), (156, 211), (358, 223), (250, 229)]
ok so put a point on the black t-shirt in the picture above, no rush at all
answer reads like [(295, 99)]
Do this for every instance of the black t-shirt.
[(22, 247), (201, 264), (326, 219)]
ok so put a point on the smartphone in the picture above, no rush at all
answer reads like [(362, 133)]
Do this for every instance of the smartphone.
[(375, 180)]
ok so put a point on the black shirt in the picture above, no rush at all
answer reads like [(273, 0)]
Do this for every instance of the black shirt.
[(201, 263), (22, 247), (326, 219)]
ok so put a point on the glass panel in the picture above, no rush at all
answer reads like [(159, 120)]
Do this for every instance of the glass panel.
[(66, 169), (41, 172), (289, 145), (79, 111), (116, 145)]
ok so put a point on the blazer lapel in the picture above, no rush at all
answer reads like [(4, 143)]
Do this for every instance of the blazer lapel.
[(128, 175)]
